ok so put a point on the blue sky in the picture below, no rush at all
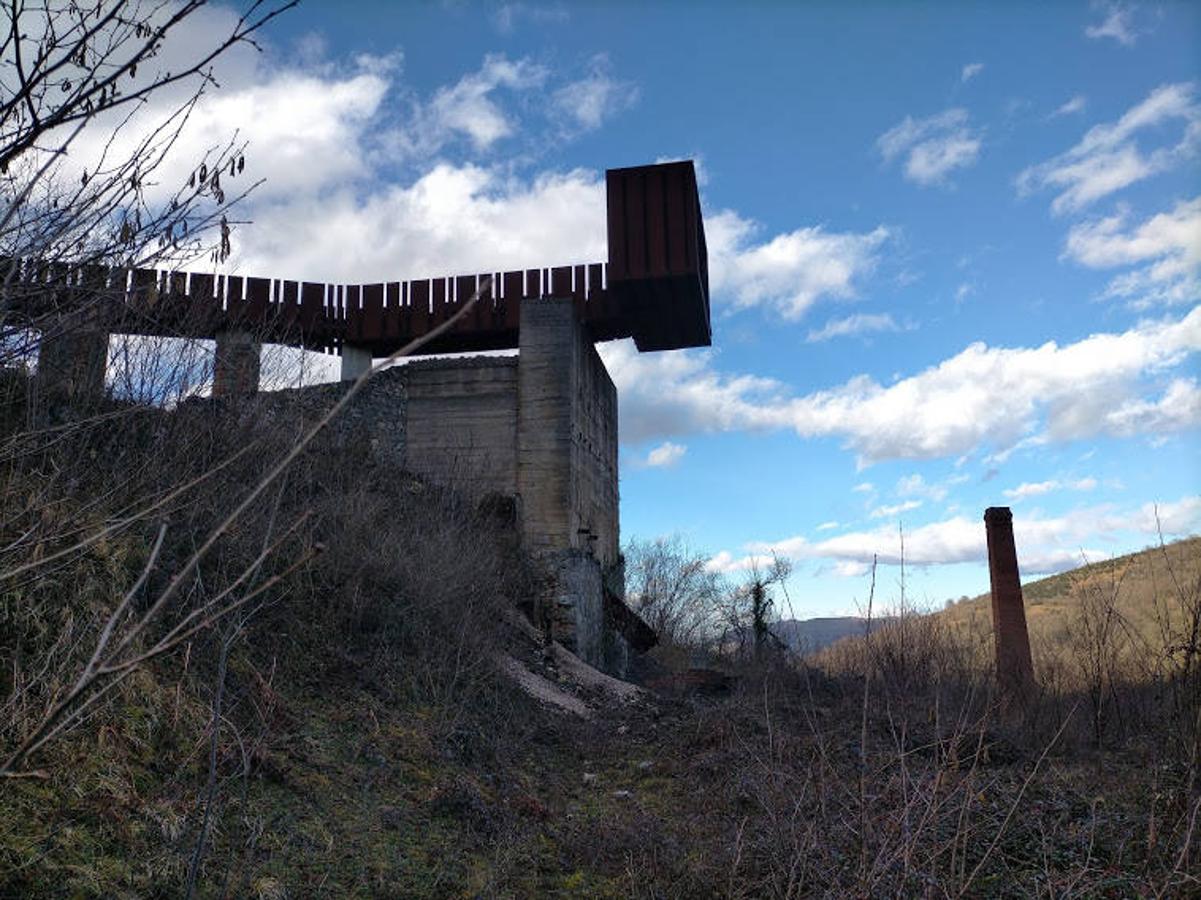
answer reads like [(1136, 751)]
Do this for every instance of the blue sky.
[(955, 249)]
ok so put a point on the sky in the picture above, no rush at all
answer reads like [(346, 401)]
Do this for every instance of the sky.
[(955, 250)]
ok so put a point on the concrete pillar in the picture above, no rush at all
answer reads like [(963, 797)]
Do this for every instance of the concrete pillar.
[(355, 361), (72, 357), (237, 364), (547, 345), (1014, 666), (548, 362)]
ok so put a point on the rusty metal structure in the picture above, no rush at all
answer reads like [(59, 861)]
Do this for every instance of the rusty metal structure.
[(654, 288)]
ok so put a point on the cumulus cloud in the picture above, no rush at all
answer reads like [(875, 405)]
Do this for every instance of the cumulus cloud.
[(860, 323), (359, 188), (590, 101), (451, 219), (916, 486), (933, 147), (1117, 23), (888, 512), (984, 396), (1045, 544), (1038, 488), (665, 455), (469, 108), (970, 71), (1115, 155), (1167, 245), (790, 271)]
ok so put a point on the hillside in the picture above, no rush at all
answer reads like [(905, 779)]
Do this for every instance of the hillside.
[(812, 635), (381, 722), (1145, 587)]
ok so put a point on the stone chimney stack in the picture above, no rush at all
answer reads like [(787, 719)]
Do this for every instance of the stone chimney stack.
[(1014, 666)]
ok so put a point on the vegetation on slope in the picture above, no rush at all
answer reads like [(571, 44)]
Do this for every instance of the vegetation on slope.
[(350, 734)]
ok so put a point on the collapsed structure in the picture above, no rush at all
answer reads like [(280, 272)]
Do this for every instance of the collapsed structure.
[(539, 428)]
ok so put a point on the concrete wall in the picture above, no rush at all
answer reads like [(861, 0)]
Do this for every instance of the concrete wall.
[(461, 422), (540, 427), (566, 435), (594, 502), (71, 362)]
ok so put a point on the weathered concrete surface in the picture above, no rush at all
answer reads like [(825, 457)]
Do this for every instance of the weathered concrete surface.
[(72, 358), (237, 364), (578, 613), (594, 501), (461, 422), (1015, 669), (566, 435), (355, 361), (540, 427), (545, 390)]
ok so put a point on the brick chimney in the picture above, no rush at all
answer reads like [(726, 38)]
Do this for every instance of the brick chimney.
[(1014, 666)]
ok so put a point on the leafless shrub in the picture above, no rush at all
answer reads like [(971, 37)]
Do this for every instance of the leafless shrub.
[(674, 591)]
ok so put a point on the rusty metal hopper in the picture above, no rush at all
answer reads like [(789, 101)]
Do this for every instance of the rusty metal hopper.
[(658, 262)]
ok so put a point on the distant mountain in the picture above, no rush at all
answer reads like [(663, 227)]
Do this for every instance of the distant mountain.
[(811, 635)]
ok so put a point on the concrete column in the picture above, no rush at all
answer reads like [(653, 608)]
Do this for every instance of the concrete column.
[(237, 364), (1014, 666), (548, 342), (355, 361), (72, 357), (548, 363)]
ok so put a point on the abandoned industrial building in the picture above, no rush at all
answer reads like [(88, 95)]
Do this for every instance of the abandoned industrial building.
[(539, 428)]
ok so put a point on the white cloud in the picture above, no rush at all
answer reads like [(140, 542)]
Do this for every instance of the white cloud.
[(1070, 107), (860, 323), (1169, 244), (452, 219), (1173, 519), (790, 271), (970, 71), (851, 569), (933, 147), (326, 139), (983, 396), (596, 97), (666, 455), (1117, 24), (1109, 158), (304, 131), (916, 486), (1045, 544), (887, 512), (509, 15), (1178, 408), (827, 526), (863, 487), (468, 108), (1038, 488)]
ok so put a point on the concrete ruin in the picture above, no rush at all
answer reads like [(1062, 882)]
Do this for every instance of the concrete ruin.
[(1014, 666), (539, 428)]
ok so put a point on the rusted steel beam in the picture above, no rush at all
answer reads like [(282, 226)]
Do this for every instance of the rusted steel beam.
[(655, 288)]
